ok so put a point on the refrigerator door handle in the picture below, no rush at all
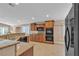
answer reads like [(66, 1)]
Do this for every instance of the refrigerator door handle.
[(67, 43)]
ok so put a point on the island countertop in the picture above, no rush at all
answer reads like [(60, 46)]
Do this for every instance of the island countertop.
[(22, 47), (7, 43)]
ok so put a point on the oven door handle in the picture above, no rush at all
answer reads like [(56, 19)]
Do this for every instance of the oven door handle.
[(67, 45)]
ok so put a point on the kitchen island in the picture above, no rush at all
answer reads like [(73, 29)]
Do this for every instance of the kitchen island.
[(8, 47), (24, 49), (15, 48)]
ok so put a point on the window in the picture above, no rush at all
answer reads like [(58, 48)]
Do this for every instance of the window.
[(4, 30), (26, 29), (1, 30)]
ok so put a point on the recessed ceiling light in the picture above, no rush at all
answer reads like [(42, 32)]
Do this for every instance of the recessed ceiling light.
[(17, 3), (33, 18), (47, 16)]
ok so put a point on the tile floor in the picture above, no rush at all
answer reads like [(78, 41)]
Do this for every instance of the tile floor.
[(45, 49)]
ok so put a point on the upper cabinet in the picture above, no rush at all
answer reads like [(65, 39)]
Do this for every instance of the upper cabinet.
[(33, 27), (40, 25), (49, 24), (46, 24)]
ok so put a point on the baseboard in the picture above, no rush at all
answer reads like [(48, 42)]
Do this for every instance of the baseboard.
[(59, 42)]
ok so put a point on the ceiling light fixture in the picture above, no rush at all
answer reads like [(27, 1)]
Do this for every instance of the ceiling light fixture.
[(17, 3), (13, 4), (47, 16), (33, 18)]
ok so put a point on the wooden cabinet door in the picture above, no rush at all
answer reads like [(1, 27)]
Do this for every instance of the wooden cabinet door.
[(40, 25), (28, 52), (49, 24), (37, 38), (32, 37), (40, 38), (33, 27)]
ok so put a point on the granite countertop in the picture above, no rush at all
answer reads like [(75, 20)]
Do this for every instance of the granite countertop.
[(22, 47), (7, 43)]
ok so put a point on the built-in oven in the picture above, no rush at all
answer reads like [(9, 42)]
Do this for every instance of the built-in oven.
[(49, 31), (49, 34), (49, 38), (40, 28)]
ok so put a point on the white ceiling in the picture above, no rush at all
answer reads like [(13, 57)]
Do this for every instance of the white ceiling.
[(31, 12)]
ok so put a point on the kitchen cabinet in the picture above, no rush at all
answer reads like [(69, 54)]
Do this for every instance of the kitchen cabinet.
[(32, 37), (8, 47), (28, 52), (49, 24), (24, 49), (41, 28), (40, 38), (33, 27), (40, 25), (37, 37)]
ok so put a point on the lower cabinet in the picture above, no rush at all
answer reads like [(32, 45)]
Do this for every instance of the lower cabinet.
[(40, 38), (37, 37), (8, 51), (28, 52), (32, 37)]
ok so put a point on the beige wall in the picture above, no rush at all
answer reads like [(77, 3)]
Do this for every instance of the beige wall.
[(18, 29), (59, 31)]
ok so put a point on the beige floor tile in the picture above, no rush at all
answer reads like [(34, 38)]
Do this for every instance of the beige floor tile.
[(45, 49)]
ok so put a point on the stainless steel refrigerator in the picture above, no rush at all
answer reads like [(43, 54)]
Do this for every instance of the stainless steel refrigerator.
[(72, 31)]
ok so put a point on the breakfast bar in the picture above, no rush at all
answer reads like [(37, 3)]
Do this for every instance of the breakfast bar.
[(24, 49), (15, 48), (8, 47)]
